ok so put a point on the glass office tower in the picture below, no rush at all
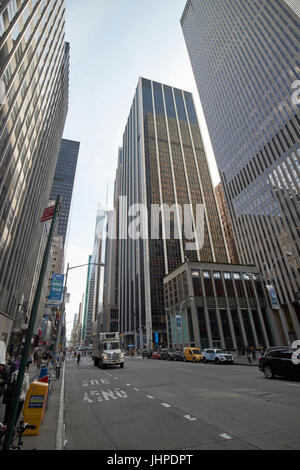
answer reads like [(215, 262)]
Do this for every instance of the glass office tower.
[(63, 182), (246, 61), (34, 74), (163, 162)]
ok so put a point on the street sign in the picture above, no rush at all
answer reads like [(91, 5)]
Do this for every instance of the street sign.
[(56, 289), (273, 297), (48, 213)]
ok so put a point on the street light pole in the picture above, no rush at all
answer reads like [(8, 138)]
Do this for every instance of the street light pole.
[(15, 400), (62, 317)]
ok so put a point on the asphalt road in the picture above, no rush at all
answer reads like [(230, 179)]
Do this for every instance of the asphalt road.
[(161, 405)]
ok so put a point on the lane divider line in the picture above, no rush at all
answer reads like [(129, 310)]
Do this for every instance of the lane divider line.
[(190, 418), (225, 436)]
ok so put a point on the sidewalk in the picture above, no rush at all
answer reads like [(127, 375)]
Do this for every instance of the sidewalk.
[(243, 361), (50, 432)]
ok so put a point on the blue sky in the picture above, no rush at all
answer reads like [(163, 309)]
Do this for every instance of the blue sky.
[(113, 43)]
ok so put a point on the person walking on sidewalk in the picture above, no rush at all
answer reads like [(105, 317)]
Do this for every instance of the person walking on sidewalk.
[(9, 392), (78, 358), (39, 359), (4, 376)]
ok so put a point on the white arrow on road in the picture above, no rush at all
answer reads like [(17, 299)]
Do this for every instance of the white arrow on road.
[(190, 418)]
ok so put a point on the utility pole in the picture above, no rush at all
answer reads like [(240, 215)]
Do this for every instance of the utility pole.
[(26, 349)]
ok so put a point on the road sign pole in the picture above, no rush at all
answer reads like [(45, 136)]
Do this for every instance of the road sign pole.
[(15, 401)]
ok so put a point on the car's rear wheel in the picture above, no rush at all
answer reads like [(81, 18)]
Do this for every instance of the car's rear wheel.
[(217, 360), (268, 372)]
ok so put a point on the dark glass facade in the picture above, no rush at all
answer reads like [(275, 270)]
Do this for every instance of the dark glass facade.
[(163, 163), (246, 62), (64, 181)]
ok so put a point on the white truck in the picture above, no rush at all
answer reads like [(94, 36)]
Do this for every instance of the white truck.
[(106, 350)]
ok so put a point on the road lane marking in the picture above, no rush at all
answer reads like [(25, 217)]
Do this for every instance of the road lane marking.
[(102, 395), (190, 418), (136, 389), (225, 436), (166, 405), (128, 385), (149, 396)]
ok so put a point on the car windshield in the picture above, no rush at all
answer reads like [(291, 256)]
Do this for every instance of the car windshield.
[(171, 350), (110, 346), (196, 351), (220, 351)]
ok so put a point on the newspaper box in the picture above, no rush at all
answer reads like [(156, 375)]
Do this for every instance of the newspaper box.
[(35, 406)]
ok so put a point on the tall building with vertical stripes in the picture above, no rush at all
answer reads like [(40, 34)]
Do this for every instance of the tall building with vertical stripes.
[(163, 162), (63, 184), (34, 82), (246, 60)]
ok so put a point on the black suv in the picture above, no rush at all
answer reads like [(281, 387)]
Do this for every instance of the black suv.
[(279, 362)]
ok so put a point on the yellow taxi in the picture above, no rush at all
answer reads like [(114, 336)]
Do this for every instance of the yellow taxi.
[(192, 355)]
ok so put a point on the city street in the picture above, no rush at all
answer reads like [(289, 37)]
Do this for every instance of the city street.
[(153, 404)]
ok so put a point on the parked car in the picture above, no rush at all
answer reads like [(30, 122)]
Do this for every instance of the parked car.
[(192, 354), (168, 354), (216, 355), (147, 353), (179, 356), (279, 362), (156, 355)]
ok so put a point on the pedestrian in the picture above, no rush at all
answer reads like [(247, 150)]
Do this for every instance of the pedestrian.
[(9, 393), (15, 364), (4, 376), (35, 357), (39, 359), (248, 354), (253, 352), (30, 359)]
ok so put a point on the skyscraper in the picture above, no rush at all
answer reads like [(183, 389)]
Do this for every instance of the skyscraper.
[(63, 182), (163, 162), (228, 232), (96, 277), (246, 61), (34, 75)]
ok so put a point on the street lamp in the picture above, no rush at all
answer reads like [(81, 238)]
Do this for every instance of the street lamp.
[(62, 319), (288, 253)]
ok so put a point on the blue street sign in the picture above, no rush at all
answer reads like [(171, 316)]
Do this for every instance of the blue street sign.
[(57, 286)]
